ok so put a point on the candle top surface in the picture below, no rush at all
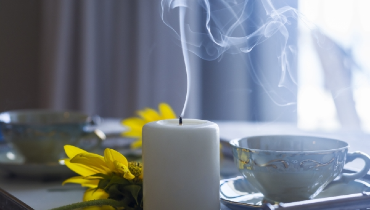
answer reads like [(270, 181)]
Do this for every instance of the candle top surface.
[(185, 123)]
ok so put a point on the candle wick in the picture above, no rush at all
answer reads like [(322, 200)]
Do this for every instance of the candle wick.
[(180, 120)]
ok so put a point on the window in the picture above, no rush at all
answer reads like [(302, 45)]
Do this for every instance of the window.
[(324, 94)]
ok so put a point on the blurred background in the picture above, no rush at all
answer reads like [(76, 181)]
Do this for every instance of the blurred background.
[(112, 58)]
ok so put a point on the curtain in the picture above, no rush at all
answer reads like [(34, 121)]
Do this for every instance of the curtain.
[(109, 57), (113, 57)]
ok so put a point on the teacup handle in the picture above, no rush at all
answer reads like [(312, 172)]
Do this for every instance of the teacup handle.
[(352, 156), (96, 133)]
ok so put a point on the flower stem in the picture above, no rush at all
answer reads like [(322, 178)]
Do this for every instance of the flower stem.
[(99, 202)]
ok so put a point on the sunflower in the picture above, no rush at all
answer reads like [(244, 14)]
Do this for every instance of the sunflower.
[(108, 177), (135, 124)]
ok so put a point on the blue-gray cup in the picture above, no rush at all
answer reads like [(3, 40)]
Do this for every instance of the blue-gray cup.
[(40, 135), (292, 168)]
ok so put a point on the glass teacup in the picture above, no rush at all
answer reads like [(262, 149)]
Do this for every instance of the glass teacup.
[(292, 168), (40, 135)]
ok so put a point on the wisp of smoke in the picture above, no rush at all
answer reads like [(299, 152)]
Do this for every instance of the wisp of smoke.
[(217, 33)]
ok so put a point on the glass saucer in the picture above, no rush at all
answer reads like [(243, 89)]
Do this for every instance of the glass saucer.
[(13, 164), (237, 193)]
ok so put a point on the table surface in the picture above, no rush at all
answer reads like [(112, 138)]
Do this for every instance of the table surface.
[(42, 195)]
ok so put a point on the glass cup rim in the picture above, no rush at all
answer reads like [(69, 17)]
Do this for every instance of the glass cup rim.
[(233, 143), (81, 117)]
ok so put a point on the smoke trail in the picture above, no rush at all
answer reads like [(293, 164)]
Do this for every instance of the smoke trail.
[(223, 30), (186, 57)]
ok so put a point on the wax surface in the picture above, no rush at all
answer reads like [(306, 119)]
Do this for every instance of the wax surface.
[(181, 165)]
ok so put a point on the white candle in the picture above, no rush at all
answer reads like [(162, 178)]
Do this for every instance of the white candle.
[(181, 165)]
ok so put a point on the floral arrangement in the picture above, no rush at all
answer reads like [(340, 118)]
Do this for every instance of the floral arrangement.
[(135, 124), (112, 181)]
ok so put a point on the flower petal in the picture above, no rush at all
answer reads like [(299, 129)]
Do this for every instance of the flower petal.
[(81, 169), (133, 122), (149, 115), (136, 144), (133, 134), (72, 151), (123, 169), (111, 155), (91, 160), (93, 194), (135, 127), (128, 176), (166, 111), (91, 183)]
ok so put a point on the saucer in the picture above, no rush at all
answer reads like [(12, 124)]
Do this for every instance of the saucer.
[(238, 193), (13, 164)]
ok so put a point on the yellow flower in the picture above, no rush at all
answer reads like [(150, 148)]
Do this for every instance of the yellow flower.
[(109, 177), (135, 124), (87, 164)]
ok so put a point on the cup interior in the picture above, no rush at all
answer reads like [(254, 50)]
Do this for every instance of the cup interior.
[(286, 143)]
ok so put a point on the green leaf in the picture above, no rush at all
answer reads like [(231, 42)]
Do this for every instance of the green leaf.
[(114, 193), (134, 190), (103, 183), (119, 180), (116, 180), (127, 202)]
